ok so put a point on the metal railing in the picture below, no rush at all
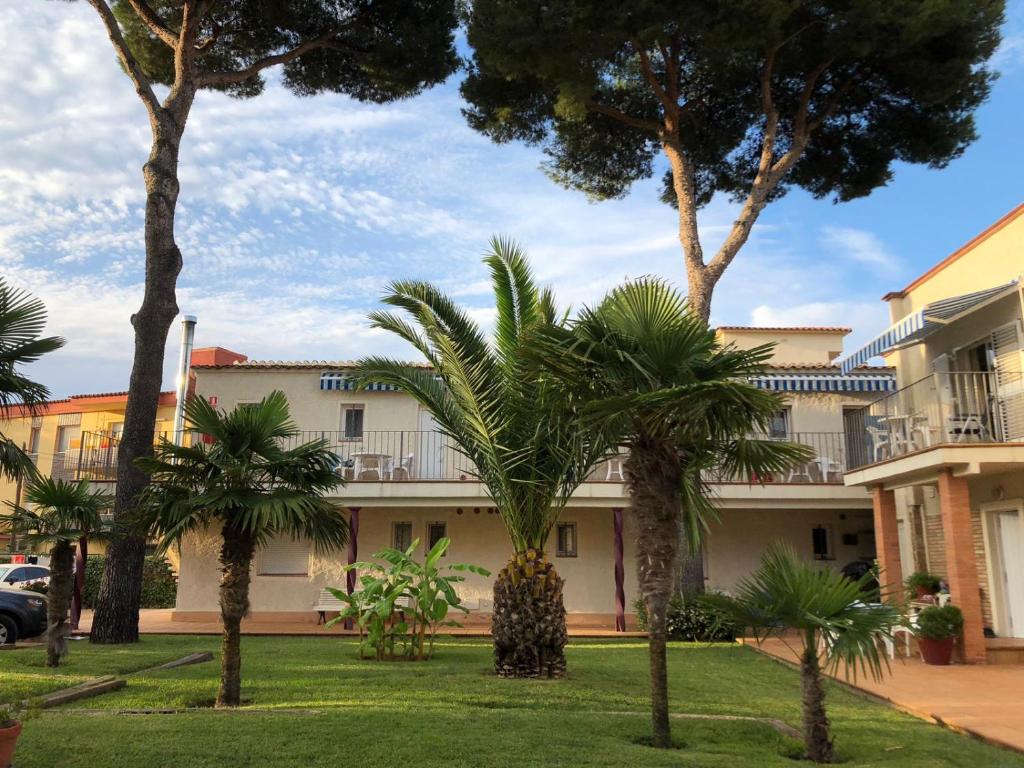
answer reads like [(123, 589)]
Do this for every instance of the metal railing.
[(942, 408), (400, 455), (94, 459)]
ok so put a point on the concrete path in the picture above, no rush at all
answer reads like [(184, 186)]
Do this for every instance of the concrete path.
[(983, 700)]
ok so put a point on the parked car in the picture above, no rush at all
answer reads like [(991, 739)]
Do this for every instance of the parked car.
[(19, 574), (22, 614)]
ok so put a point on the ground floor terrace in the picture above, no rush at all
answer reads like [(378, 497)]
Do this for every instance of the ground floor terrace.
[(592, 548), (310, 701)]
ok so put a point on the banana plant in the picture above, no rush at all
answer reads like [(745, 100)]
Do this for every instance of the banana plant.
[(401, 603)]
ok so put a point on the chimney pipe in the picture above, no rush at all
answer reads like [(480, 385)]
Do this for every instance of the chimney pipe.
[(188, 333)]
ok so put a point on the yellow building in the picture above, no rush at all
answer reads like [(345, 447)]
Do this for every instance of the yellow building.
[(406, 481), (943, 456)]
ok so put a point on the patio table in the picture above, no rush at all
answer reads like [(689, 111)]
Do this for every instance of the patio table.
[(370, 460)]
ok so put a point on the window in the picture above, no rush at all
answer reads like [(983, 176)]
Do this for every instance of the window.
[(821, 542), (15, 575), (778, 425), (566, 535), (284, 556), (401, 536), (33, 441), (352, 421), (116, 428), (435, 532)]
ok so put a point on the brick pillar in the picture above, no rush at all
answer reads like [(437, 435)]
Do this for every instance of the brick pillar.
[(961, 563), (887, 543)]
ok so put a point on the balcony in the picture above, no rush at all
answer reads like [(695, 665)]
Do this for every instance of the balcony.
[(955, 408), (94, 459), (415, 455)]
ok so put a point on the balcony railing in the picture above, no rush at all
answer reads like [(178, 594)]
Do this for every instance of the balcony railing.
[(400, 455), (95, 458), (942, 408)]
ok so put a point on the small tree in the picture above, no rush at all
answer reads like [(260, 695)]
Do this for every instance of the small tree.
[(834, 626), (652, 378), (22, 319), (248, 486), (63, 513), (372, 51)]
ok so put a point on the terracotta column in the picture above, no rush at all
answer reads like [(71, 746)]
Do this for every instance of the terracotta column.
[(620, 590), (887, 543), (352, 578), (961, 564)]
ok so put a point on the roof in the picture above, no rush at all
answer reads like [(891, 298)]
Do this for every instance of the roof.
[(865, 369), (75, 403), (961, 251), (787, 329), (295, 365)]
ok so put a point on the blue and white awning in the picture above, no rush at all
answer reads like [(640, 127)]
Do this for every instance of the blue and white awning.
[(345, 383), (920, 324), (825, 382)]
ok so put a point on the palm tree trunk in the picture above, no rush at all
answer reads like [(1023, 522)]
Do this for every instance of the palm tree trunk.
[(653, 477), (62, 558), (235, 558), (817, 740), (528, 624)]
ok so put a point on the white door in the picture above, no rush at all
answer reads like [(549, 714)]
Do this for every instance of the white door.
[(1009, 538), (1009, 374), (429, 460)]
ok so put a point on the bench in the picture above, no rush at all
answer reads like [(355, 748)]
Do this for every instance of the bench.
[(325, 602)]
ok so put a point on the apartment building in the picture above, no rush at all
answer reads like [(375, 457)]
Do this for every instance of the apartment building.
[(943, 456), (406, 481)]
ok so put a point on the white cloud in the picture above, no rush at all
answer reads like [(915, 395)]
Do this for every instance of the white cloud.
[(860, 246)]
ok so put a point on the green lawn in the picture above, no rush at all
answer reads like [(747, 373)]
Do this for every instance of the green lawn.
[(314, 703)]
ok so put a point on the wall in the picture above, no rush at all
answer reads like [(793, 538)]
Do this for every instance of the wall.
[(792, 347)]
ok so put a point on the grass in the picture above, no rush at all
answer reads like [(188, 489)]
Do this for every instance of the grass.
[(314, 703)]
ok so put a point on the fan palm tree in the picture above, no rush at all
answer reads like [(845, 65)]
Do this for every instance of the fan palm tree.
[(516, 425), (62, 513), (832, 622), (22, 319), (244, 483), (657, 382)]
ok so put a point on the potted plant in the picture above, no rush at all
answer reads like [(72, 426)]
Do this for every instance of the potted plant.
[(922, 584), (937, 629), (10, 730)]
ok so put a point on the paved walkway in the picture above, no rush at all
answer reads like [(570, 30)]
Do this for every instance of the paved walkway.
[(984, 700), (159, 622)]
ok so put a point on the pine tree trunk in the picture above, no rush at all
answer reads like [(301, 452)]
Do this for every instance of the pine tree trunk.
[(817, 740), (117, 608), (62, 558), (652, 477), (235, 558), (528, 624)]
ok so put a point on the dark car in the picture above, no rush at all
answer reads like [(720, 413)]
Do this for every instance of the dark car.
[(22, 614)]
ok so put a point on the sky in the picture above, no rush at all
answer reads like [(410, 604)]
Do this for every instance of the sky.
[(295, 213)]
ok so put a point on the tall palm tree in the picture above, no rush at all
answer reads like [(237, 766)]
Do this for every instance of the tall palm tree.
[(244, 483), (657, 382), (22, 319), (62, 513), (833, 624), (516, 425)]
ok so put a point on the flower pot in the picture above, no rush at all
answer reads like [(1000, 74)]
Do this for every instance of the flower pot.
[(937, 652), (923, 592), (8, 739)]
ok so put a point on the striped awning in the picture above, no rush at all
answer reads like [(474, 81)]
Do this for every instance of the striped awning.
[(825, 382), (345, 383), (920, 324)]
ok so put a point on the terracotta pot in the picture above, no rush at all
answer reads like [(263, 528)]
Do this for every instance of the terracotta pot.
[(937, 652), (923, 592), (8, 739)]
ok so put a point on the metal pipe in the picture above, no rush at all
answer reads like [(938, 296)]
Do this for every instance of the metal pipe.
[(188, 333)]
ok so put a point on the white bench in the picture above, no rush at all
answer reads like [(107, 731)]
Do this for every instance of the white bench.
[(325, 602)]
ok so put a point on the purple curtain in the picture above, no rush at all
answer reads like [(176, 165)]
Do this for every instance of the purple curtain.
[(620, 591), (351, 578)]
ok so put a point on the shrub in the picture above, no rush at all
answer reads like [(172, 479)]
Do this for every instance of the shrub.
[(925, 582), (938, 623), (691, 620), (159, 584), (40, 587)]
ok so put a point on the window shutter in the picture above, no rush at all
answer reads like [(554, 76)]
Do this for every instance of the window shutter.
[(1009, 373), (283, 556)]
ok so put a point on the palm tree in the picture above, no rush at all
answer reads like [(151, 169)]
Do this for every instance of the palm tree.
[(515, 424), (63, 513), (242, 482), (22, 319), (657, 382), (826, 609)]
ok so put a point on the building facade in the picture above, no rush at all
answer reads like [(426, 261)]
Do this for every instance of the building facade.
[(405, 481), (943, 457)]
